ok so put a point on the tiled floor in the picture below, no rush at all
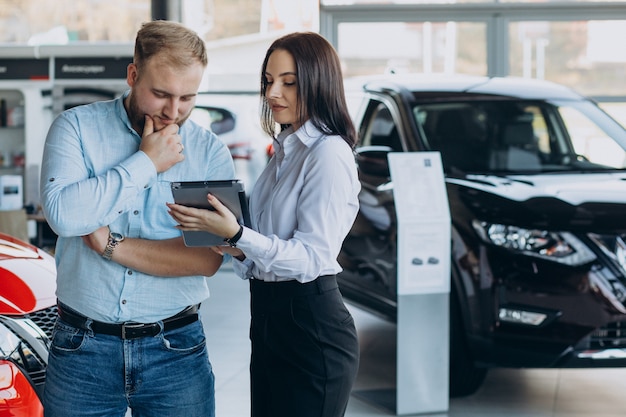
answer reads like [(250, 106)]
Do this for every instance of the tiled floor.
[(506, 392)]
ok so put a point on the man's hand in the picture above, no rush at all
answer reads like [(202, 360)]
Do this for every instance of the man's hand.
[(163, 147), (163, 258), (98, 239)]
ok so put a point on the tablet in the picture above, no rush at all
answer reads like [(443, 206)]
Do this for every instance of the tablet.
[(193, 194)]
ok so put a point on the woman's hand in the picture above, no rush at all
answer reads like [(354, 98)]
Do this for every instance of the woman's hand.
[(98, 239), (221, 221), (234, 252)]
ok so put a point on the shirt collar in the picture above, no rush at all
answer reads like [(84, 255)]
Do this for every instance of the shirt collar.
[(121, 110), (307, 134)]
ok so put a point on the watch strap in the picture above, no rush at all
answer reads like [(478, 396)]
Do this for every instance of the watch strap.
[(233, 240), (114, 240)]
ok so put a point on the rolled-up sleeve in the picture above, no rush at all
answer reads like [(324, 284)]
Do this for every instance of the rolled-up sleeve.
[(77, 195)]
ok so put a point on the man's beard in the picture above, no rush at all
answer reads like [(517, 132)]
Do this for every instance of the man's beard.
[(138, 118)]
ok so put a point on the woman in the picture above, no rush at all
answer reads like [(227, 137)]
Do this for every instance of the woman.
[(304, 343)]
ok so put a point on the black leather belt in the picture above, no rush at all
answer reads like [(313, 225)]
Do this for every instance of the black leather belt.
[(128, 330)]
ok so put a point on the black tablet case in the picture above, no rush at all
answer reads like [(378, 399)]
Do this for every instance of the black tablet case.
[(193, 194)]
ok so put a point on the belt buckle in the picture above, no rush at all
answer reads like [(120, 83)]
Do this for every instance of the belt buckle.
[(131, 327)]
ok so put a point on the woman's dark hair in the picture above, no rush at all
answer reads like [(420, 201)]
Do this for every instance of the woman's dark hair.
[(321, 95)]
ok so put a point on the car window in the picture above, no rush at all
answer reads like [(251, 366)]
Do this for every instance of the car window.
[(505, 136), (219, 120), (459, 131), (590, 142), (382, 130)]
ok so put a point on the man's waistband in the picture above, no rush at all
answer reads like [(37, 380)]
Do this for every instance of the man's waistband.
[(128, 330)]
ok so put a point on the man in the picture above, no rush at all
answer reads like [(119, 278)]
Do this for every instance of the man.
[(128, 333)]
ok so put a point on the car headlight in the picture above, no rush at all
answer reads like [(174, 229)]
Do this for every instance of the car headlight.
[(9, 342), (561, 247), (612, 246), (15, 348)]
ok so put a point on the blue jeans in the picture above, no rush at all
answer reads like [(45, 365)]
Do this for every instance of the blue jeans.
[(168, 375)]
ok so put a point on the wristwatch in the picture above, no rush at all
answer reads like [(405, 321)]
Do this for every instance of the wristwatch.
[(114, 240), (232, 241)]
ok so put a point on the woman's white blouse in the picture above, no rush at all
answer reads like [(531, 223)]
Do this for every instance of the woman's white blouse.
[(301, 209)]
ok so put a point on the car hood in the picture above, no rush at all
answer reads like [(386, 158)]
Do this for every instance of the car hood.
[(27, 277), (592, 202)]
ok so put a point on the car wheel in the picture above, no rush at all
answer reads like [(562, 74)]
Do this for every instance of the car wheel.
[(465, 376)]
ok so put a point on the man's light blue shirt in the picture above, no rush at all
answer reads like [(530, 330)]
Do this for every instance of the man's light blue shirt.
[(94, 175)]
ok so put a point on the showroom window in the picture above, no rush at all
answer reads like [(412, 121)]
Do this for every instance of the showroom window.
[(417, 2), (65, 21), (569, 42), (62, 21), (448, 47), (576, 53)]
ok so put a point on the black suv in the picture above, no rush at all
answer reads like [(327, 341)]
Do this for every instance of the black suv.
[(536, 184)]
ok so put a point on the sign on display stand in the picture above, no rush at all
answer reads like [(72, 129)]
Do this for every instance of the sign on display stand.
[(423, 214)]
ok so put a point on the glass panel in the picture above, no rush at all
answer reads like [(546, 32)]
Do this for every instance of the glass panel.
[(519, 136), (590, 141), (220, 121), (360, 2), (559, 1), (616, 110), (448, 47), (63, 21), (580, 54)]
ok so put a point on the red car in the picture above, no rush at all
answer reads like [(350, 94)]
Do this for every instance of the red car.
[(27, 316)]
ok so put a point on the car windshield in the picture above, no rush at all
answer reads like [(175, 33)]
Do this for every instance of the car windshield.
[(509, 136)]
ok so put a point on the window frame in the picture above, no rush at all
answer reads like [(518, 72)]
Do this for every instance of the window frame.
[(496, 17)]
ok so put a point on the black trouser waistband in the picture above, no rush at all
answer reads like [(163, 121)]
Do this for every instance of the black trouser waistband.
[(128, 330), (293, 288)]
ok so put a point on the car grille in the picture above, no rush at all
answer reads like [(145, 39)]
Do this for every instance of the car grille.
[(611, 336), (45, 319), (24, 356), (38, 377)]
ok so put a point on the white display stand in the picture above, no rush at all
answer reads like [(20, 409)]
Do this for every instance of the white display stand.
[(423, 325), (423, 316)]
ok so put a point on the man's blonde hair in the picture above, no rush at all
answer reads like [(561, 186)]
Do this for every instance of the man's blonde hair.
[(178, 45)]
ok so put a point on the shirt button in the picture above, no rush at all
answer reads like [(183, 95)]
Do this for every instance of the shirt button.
[(130, 272), (123, 301), (136, 212)]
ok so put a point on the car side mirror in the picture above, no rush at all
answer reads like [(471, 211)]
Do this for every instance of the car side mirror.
[(372, 160)]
